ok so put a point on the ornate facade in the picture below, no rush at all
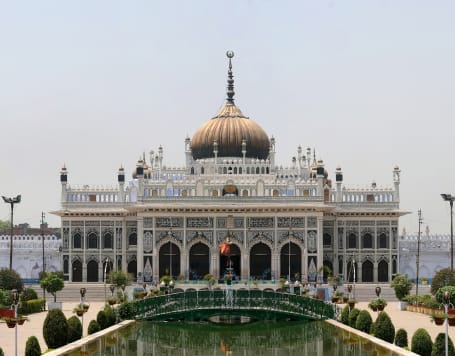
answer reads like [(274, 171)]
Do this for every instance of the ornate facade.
[(281, 222)]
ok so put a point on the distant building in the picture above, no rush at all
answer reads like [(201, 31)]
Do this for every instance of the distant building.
[(28, 250), (279, 221), (434, 254)]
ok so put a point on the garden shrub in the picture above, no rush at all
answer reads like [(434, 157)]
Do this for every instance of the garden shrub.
[(401, 338), (126, 311), (439, 346), (101, 319), (32, 347), (93, 327), (74, 329), (344, 318), (353, 317), (110, 316), (28, 294), (55, 329), (421, 342), (444, 277), (364, 321), (383, 327), (401, 285), (10, 279)]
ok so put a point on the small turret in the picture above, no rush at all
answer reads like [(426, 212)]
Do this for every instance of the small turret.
[(339, 181), (320, 177), (396, 183), (64, 181), (121, 183)]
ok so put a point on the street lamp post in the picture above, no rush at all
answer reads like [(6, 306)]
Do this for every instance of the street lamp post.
[(15, 297), (11, 201), (82, 291), (44, 262), (446, 297), (450, 199)]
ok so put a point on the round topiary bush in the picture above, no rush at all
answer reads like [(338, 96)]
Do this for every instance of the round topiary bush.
[(421, 342), (344, 318), (74, 329), (383, 327), (32, 347), (364, 321), (93, 327), (10, 279), (126, 311), (55, 329), (439, 346), (110, 316), (102, 319), (353, 317), (401, 338)]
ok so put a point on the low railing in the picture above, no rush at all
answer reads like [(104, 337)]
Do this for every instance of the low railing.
[(245, 302)]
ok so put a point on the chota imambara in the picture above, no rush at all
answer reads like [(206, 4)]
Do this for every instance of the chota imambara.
[(280, 222)]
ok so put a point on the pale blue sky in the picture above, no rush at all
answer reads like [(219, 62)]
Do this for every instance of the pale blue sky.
[(93, 84)]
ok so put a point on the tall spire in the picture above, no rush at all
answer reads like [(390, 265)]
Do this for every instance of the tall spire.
[(230, 81)]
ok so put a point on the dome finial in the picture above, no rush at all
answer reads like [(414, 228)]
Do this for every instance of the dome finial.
[(230, 81)]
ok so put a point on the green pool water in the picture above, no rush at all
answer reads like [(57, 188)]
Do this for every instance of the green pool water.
[(255, 339)]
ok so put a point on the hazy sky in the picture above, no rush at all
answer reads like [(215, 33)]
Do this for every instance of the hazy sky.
[(93, 84)]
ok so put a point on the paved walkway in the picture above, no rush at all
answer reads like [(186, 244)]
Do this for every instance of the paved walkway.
[(409, 321)]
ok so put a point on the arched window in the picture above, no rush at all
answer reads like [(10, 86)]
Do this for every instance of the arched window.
[(108, 240), (352, 240), (367, 241), (327, 240), (77, 241), (382, 240), (92, 240), (132, 239)]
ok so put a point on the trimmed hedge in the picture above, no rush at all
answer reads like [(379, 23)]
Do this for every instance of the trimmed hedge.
[(439, 346), (421, 342), (74, 329), (383, 328), (55, 329), (353, 317), (32, 347), (344, 318), (31, 306), (93, 327), (401, 338), (364, 321)]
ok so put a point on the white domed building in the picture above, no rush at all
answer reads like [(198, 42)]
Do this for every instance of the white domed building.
[(280, 222)]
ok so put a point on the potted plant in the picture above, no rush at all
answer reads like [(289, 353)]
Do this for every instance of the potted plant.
[(438, 317), (209, 279), (79, 309), (424, 280), (377, 304), (402, 285), (111, 300)]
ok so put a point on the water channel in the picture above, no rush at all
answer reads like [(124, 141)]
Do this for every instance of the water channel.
[(258, 338)]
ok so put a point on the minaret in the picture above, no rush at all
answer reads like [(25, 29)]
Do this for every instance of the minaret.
[(121, 184), (160, 157), (188, 156), (140, 179), (396, 183), (272, 152), (230, 81), (339, 181), (64, 181)]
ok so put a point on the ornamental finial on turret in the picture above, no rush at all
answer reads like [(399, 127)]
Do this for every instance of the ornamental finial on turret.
[(230, 81)]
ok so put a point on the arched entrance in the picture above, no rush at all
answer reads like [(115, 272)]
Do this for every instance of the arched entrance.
[(92, 271), (291, 261), (232, 260), (199, 261), (77, 271), (367, 271), (132, 268), (383, 271), (261, 262), (169, 260)]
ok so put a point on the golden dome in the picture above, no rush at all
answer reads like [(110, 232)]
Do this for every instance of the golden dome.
[(230, 133)]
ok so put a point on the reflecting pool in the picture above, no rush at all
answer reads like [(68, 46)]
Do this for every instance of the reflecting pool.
[(258, 338)]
